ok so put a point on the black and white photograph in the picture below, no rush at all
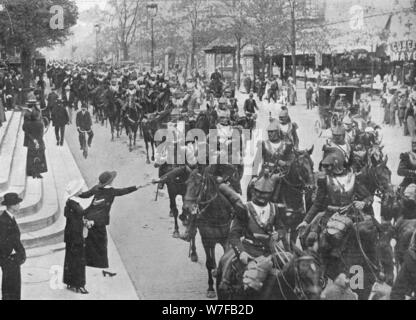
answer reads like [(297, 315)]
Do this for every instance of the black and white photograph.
[(208, 150)]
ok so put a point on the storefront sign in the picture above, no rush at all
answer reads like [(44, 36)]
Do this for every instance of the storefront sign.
[(404, 50)]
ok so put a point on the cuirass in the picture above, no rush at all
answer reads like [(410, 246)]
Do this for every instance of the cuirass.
[(341, 189), (273, 152)]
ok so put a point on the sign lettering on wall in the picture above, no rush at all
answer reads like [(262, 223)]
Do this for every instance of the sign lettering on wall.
[(403, 50)]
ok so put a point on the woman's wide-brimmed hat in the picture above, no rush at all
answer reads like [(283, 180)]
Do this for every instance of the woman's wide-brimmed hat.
[(74, 187), (107, 177)]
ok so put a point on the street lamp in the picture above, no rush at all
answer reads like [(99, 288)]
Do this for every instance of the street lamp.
[(97, 28), (152, 12)]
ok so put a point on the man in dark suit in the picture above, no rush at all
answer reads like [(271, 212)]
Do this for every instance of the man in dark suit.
[(52, 100), (12, 252), (60, 119), (84, 124), (68, 99)]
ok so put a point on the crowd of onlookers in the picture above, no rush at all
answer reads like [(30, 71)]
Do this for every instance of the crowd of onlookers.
[(398, 103)]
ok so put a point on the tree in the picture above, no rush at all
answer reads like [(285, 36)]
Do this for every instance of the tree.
[(266, 23), (197, 20), (125, 20), (31, 27)]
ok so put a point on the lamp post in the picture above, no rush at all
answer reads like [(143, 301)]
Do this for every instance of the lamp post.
[(97, 28), (152, 12)]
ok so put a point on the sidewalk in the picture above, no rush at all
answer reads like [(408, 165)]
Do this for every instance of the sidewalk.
[(41, 273)]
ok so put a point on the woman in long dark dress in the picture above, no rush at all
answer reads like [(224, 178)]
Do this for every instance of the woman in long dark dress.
[(409, 118), (99, 212), (35, 160), (74, 238)]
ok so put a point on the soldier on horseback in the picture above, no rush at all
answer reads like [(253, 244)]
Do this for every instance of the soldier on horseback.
[(288, 128), (407, 166), (338, 191), (273, 152), (256, 217), (338, 142)]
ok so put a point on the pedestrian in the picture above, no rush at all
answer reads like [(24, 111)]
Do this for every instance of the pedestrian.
[(309, 94), (2, 111), (52, 99), (60, 119), (76, 230), (12, 252), (68, 99), (18, 90), (35, 160), (409, 118), (99, 212), (402, 108), (84, 125), (393, 107)]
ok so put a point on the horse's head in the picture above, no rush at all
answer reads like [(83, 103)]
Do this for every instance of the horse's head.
[(308, 273), (375, 155), (302, 169)]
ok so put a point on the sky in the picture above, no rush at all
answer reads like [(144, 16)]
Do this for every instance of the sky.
[(86, 4)]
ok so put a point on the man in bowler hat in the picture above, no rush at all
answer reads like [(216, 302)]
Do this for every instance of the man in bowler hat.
[(12, 252)]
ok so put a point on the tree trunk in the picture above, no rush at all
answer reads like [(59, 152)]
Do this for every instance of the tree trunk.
[(125, 49), (238, 61), (193, 51), (26, 58), (293, 41), (263, 62)]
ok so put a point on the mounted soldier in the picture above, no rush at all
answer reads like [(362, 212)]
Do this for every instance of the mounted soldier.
[(272, 153), (256, 217), (338, 190), (339, 143), (288, 128)]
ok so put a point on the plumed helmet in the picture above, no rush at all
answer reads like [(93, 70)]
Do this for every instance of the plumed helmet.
[(336, 160), (264, 184), (274, 125), (338, 130)]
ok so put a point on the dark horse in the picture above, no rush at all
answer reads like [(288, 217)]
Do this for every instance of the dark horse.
[(357, 256), (293, 276), (132, 119), (376, 177), (207, 210), (113, 113), (150, 124)]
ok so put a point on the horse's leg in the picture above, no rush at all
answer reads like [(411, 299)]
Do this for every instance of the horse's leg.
[(112, 130), (194, 255), (152, 144), (146, 143), (210, 265)]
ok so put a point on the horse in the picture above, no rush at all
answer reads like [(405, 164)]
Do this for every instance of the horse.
[(296, 276), (132, 119), (206, 120), (149, 125), (377, 180), (113, 113), (404, 229), (207, 210), (357, 254)]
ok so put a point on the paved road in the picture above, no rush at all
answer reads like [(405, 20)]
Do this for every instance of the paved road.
[(141, 228)]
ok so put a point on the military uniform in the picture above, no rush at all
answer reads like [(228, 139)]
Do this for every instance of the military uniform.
[(288, 129)]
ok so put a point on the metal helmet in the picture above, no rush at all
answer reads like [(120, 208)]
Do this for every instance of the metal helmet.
[(283, 115), (265, 184), (274, 125), (336, 160)]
